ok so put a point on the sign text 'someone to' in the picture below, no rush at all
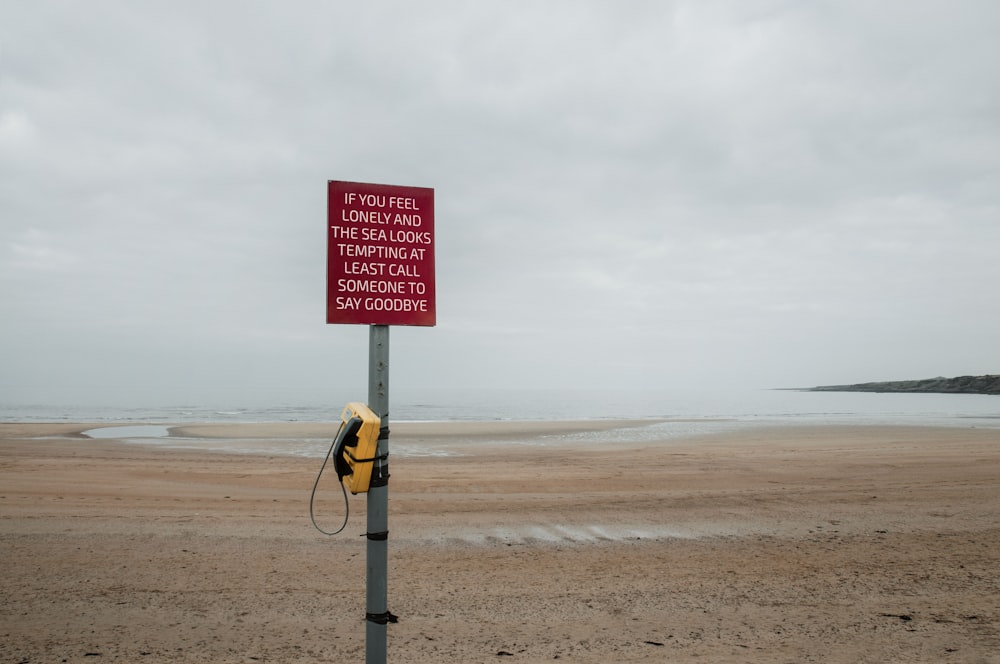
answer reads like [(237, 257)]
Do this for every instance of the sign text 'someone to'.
[(380, 254)]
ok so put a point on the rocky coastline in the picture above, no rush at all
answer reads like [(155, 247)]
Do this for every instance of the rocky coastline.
[(986, 384)]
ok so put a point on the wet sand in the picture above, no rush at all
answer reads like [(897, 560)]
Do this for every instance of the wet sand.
[(805, 544)]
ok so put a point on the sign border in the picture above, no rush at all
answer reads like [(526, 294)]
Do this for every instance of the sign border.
[(336, 316)]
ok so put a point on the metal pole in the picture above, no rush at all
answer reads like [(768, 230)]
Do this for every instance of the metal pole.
[(376, 599)]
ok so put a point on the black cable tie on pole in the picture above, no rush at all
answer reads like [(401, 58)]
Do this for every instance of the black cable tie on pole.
[(380, 457), (378, 537), (383, 433), (380, 475), (382, 618)]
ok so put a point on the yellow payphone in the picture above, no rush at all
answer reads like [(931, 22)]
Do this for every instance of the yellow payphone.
[(355, 449), (354, 452)]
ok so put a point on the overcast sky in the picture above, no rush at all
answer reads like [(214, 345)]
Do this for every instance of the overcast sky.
[(637, 194)]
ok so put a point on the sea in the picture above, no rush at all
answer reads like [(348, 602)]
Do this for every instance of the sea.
[(673, 414), (746, 406)]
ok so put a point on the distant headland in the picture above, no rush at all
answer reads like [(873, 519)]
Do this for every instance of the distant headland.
[(988, 384)]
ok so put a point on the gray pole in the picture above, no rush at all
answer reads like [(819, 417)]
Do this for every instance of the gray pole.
[(377, 600)]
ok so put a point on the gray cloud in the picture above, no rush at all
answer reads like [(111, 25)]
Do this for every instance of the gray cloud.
[(764, 193)]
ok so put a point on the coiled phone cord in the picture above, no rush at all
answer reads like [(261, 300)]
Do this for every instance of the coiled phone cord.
[(312, 497)]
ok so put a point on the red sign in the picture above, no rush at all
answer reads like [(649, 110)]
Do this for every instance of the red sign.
[(380, 254)]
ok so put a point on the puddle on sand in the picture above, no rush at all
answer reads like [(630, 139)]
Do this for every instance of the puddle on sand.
[(137, 431)]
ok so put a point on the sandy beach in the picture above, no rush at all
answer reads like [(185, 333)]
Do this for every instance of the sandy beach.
[(793, 544)]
